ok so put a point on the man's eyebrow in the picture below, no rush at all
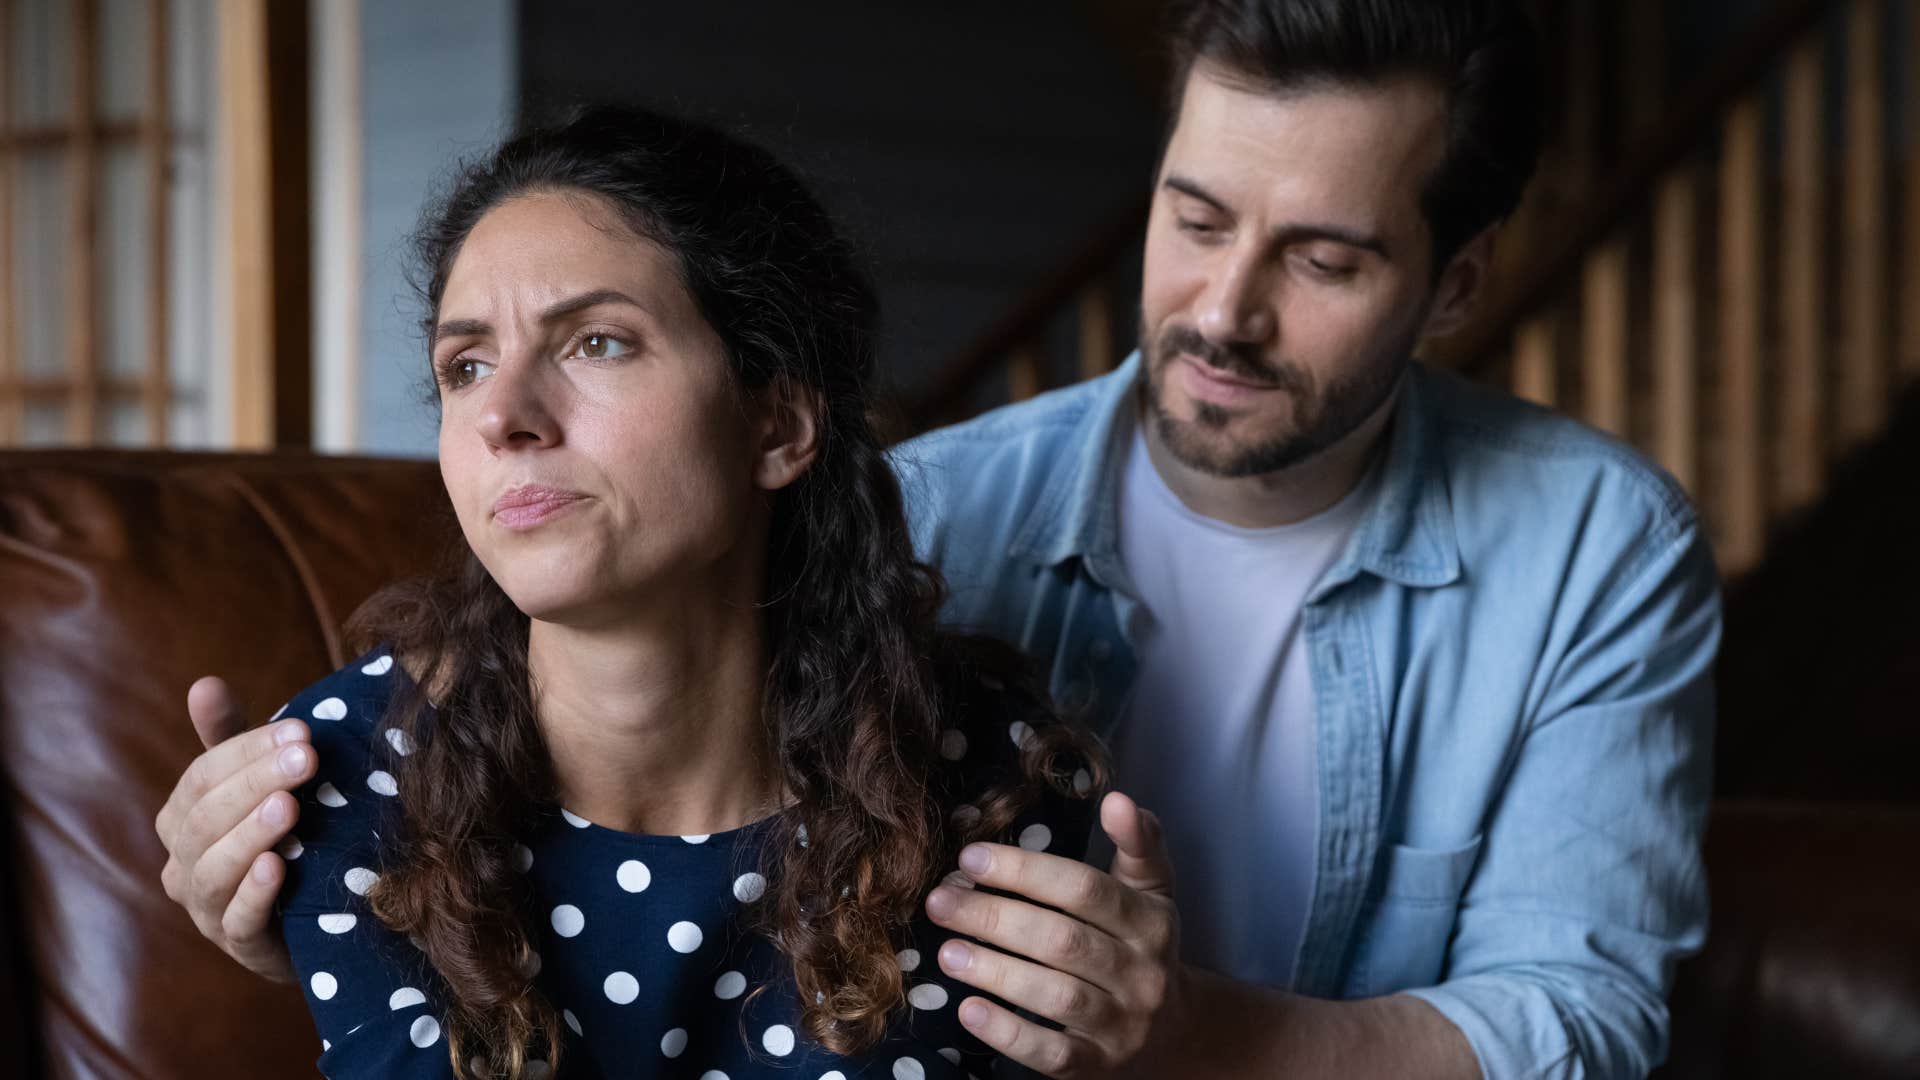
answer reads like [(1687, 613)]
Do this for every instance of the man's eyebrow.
[(1288, 234), (1193, 189), (570, 306)]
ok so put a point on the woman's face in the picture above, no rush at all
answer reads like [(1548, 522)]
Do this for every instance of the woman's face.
[(599, 458)]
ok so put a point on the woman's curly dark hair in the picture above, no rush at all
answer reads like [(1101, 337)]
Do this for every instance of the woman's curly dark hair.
[(861, 682)]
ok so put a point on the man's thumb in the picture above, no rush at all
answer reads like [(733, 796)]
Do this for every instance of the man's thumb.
[(216, 715), (1139, 845)]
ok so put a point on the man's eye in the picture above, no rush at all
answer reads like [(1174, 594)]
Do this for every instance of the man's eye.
[(1330, 271), (1192, 226)]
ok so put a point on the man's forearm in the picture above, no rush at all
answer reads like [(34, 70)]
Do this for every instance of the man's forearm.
[(1240, 1029)]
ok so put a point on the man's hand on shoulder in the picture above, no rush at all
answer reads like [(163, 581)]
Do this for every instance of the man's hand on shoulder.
[(221, 822), (1098, 954)]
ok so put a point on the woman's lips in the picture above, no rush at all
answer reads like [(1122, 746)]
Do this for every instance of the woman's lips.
[(525, 507)]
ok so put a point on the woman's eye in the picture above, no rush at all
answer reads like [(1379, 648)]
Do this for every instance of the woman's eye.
[(464, 371), (602, 347)]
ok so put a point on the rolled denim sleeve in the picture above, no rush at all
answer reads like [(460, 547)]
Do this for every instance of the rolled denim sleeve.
[(1591, 885)]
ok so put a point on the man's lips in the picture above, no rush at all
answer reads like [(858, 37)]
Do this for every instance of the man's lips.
[(1208, 383), (524, 507)]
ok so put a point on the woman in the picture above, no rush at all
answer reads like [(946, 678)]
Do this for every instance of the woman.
[(656, 782)]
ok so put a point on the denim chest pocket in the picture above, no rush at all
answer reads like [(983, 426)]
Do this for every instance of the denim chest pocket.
[(1405, 928)]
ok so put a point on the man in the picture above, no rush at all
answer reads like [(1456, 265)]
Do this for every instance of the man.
[(1415, 677)]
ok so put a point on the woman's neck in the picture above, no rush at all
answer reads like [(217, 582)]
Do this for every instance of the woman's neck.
[(655, 726)]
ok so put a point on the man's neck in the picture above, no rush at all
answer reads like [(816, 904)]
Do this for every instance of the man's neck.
[(1283, 497)]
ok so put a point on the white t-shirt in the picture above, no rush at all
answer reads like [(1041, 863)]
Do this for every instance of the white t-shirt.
[(1217, 737)]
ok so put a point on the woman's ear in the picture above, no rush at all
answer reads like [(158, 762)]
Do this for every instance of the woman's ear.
[(788, 430)]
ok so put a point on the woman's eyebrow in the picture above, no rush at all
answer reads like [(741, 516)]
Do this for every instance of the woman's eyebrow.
[(570, 306)]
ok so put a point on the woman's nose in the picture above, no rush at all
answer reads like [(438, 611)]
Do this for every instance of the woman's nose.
[(518, 413)]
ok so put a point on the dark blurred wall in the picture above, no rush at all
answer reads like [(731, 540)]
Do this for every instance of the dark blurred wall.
[(971, 148)]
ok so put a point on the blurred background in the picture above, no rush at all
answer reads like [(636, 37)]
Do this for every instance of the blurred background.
[(204, 207)]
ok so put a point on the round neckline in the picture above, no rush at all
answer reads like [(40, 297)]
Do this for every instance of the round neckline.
[(562, 818)]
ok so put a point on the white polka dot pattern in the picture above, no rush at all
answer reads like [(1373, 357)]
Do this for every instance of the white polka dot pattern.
[(778, 1040), (633, 876), (749, 887), (651, 946), (621, 988), (568, 921), (684, 937)]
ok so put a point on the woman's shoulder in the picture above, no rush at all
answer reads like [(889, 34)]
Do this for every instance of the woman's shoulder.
[(342, 807), (352, 699), (1005, 743)]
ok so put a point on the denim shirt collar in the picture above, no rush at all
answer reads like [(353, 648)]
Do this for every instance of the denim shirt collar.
[(1405, 535)]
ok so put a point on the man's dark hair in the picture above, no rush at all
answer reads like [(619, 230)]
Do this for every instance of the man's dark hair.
[(1483, 53)]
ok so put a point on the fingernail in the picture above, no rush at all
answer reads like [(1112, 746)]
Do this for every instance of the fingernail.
[(972, 1013), (955, 957), (274, 812), (975, 859), (287, 731), (941, 902), (293, 761)]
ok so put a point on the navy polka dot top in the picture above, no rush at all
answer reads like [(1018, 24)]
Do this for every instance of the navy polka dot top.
[(643, 941)]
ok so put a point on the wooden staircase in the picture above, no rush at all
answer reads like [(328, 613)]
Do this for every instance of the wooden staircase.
[(1738, 294)]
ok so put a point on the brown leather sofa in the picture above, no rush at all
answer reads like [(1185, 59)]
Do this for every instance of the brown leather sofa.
[(123, 576)]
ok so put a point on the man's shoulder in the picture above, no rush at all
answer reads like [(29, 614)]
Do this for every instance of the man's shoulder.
[(987, 472), (1004, 433), (1499, 449)]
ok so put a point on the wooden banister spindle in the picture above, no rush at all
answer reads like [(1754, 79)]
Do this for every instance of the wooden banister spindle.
[(1535, 366), (1675, 312), (1603, 338), (83, 360), (1096, 330), (10, 399), (1741, 490), (1026, 372), (1863, 283), (1910, 246), (1802, 398), (157, 391)]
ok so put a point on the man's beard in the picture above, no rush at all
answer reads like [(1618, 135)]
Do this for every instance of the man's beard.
[(1319, 419)]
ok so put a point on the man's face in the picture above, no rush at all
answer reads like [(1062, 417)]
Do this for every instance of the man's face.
[(1288, 272)]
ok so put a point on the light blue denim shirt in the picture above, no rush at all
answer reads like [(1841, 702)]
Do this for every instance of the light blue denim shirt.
[(1512, 683)]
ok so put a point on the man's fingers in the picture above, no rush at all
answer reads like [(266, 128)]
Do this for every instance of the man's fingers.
[(248, 921), (1060, 942), (224, 807), (216, 715), (1050, 1053), (220, 870), (1140, 859), (219, 764), (1062, 998), (1073, 887)]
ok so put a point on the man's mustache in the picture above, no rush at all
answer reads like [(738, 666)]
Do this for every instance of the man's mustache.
[(1240, 361)]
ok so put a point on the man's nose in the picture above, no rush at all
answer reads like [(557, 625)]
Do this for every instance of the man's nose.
[(1236, 307)]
